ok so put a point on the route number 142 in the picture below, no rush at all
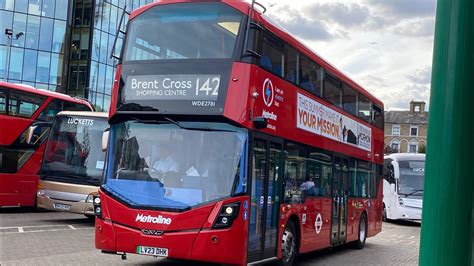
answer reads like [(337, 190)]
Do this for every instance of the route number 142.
[(209, 87)]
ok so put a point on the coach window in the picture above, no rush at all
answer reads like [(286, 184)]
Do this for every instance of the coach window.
[(3, 101), (349, 100), (272, 55), (364, 105), (377, 118), (310, 75), (332, 90), (295, 172), (291, 65), (23, 104)]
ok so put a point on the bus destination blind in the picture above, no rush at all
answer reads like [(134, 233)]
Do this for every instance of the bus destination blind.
[(172, 87)]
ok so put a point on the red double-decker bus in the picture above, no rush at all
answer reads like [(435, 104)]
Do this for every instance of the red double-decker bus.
[(231, 142), (22, 107)]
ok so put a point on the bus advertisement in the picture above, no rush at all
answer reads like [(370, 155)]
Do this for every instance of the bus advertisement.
[(231, 142), (403, 183), (73, 163), (25, 110)]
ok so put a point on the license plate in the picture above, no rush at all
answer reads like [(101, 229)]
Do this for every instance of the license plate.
[(152, 251), (63, 207)]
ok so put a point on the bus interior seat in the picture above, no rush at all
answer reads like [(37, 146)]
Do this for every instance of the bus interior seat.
[(265, 62), (306, 83)]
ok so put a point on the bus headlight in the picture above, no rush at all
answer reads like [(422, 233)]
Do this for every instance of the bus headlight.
[(41, 193), (90, 197), (227, 215), (400, 201)]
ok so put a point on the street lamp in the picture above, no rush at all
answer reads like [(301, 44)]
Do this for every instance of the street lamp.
[(9, 34)]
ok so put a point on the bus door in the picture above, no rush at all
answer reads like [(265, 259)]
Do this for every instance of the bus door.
[(265, 199), (339, 201)]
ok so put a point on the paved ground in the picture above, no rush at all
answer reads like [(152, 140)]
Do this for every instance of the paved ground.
[(50, 238)]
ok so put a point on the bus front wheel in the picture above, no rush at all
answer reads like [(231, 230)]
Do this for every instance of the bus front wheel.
[(362, 236), (288, 245)]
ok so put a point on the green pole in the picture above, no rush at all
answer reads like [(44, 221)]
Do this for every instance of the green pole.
[(447, 226)]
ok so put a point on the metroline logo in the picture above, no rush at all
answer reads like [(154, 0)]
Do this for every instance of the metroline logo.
[(152, 219)]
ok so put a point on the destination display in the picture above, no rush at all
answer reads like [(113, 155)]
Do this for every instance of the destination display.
[(173, 87), (321, 120)]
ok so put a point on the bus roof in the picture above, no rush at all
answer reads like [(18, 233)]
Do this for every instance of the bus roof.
[(244, 7), (30, 89), (406, 156), (82, 113)]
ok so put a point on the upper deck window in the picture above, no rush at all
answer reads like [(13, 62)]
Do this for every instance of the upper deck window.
[(56, 105), (272, 55), (349, 100), (378, 118), (183, 31), (333, 90), (310, 76), (23, 104), (365, 111), (291, 65)]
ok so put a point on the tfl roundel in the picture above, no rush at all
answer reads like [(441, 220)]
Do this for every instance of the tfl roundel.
[(268, 92)]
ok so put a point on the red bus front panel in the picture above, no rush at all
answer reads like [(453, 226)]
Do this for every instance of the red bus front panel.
[(187, 236)]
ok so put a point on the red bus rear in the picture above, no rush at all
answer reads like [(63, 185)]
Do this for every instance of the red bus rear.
[(234, 146), (21, 107)]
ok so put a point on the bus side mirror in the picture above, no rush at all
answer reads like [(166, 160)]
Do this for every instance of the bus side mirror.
[(105, 140), (260, 122), (29, 134), (37, 127)]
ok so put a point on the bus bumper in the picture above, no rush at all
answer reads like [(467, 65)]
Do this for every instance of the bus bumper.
[(227, 246), (408, 213), (66, 202)]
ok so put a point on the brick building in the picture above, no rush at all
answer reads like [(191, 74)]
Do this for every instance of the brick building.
[(405, 131)]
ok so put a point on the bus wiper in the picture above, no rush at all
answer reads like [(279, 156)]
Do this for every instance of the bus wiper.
[(413, 192), (51, 175), (195, 128)]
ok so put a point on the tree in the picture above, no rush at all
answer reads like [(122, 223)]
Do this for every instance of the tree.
[(422, 148)]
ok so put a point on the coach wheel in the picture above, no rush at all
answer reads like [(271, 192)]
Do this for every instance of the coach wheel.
[(362, 236), (288, 245)]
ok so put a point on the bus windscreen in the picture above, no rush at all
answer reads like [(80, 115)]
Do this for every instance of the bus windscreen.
[(184, 31), (412, 174), (74, 152), (175, 166)]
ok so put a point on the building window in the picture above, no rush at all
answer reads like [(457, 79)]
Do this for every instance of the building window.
[(413, 147), (414, 131), (395, 145), (395, 130)]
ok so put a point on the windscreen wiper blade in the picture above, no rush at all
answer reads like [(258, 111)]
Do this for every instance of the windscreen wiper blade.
[(51, 175), (414, 191), (195, 128)]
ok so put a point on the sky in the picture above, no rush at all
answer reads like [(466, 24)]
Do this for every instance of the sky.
[(386, 46)]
